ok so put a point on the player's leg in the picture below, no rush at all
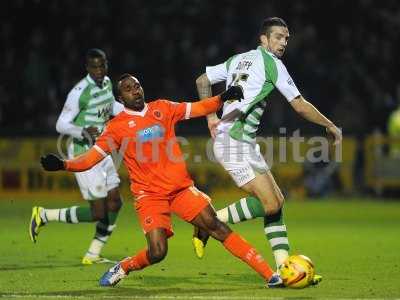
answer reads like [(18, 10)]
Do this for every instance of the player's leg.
[(106, 212), (157, 247), (236, 245), (92, 185), (266, 202), (194, 206), (250, 172), (264, 188), (266, 194), (155, 221)]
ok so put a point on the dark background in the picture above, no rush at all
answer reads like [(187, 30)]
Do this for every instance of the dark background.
[(343, 55)]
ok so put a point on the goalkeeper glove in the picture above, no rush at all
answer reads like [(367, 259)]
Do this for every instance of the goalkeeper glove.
[(235, 92), (51, 162)]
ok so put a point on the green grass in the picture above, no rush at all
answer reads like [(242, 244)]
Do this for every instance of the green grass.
[(354, 245)]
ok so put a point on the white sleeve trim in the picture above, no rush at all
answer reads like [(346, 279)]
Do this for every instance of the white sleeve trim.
[(101, 151), (188, 110)]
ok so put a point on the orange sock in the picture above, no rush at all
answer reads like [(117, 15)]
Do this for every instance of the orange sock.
[(137, 262), (236, 245)]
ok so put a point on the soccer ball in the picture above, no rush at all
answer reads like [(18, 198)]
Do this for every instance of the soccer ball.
[(297, 271)]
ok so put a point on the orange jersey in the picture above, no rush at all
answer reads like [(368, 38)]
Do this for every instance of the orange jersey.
[(149, 147)]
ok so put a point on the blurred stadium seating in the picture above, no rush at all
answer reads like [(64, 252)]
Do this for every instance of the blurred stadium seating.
[(348, 69)]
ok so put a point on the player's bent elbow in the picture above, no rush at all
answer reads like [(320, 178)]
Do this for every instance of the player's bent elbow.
[(300, 105), (202, 80), (157, 255), (60, 127)]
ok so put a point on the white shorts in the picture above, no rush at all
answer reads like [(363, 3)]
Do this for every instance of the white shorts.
[(242, 160), (99, 180)]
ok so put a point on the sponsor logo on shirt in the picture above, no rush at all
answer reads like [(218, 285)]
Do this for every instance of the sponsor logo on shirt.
[(105, 112), (150, 133), (148, 220)]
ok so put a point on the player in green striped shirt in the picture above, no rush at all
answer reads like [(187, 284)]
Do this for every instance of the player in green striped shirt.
[(258, 72), (88, 107)]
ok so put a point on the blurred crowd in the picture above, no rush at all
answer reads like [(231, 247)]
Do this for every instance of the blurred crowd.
[(341, 54)]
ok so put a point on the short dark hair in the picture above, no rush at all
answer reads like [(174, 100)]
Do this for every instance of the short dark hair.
[(95, 53), (124, 76), (269, 22)]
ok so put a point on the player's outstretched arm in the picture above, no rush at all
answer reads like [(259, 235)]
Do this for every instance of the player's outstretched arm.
[(87, 160), (211, 105), (204, 90), (203, 86), (312, 114)]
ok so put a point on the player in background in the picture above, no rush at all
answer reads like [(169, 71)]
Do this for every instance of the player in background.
[(145, 135), (88, 107), (258, 72)]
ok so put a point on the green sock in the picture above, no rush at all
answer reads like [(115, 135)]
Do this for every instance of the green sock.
[(246, 209), (275, 231), (74, 214), (84, 214), (112, 217)]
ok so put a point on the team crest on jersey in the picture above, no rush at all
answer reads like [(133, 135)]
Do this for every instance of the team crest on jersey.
[(157, 114), (131, 124), (148, 220)]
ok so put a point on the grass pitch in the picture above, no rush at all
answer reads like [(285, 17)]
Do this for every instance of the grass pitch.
[(354, 244)]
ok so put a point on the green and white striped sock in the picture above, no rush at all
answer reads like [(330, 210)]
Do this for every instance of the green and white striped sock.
[(74, 215), (104, 229), (245, 209), (276, 233)]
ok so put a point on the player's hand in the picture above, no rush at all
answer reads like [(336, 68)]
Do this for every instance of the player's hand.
[(212, 125), (235, 92), (336, 133), (51, 162), (90, 133)]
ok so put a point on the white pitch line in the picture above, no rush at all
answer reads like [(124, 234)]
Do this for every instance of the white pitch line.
[(159, 297)]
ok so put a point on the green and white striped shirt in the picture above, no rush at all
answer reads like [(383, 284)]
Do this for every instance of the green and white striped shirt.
[(258, 72), (86, 105)]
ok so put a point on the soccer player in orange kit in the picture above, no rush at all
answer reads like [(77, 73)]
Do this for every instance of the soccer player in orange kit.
[(145, 134)]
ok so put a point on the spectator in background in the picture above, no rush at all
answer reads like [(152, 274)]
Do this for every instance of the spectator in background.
[(39, 58)]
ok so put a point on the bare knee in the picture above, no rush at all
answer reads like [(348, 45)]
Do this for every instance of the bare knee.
[(98, 210), (273, 207), (272, 203), (215, 227), (157, 252), (114, 202), (276, 205), (222, 231)]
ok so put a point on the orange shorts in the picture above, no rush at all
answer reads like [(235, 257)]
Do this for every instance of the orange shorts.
[(155, 211)]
